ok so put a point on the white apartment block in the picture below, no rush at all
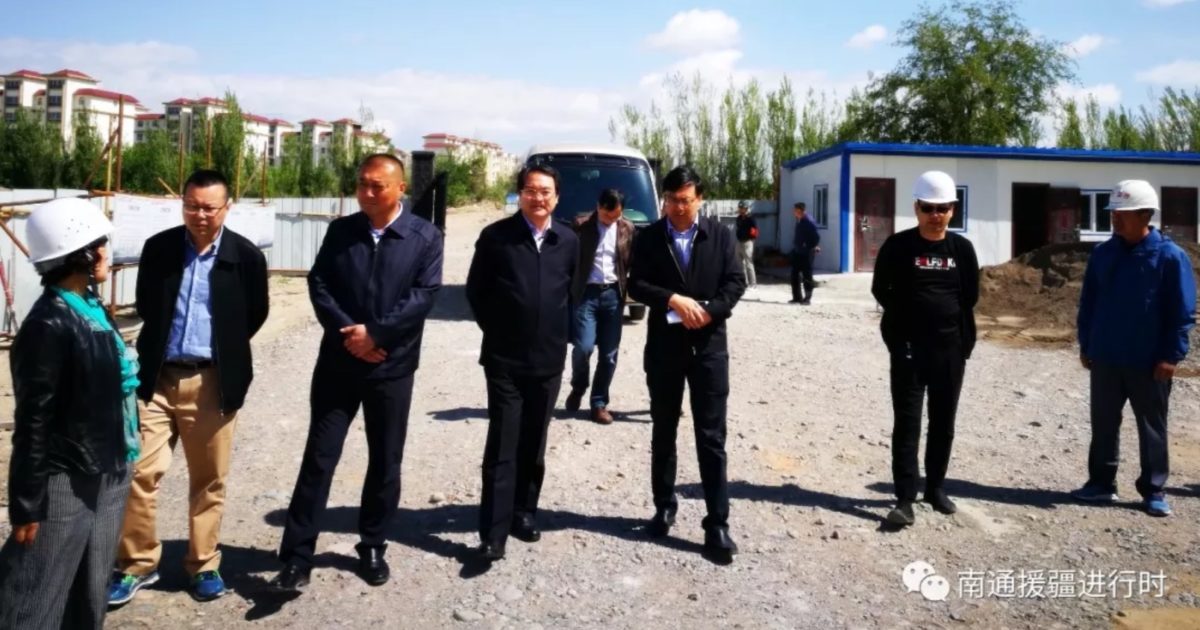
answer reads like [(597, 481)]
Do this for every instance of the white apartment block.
[(57, 97), (500, 165)]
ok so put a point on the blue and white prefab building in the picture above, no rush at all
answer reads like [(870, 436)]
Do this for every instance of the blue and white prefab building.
[(1011, 200)]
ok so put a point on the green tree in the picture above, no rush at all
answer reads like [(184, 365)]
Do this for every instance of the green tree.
[(1070, 135), (974, 74), (142, 164), (782, 125), (1093, 124), (31, 152), (1120, 131), (755, 161), (728, 180), (85, 150), (229, 142)]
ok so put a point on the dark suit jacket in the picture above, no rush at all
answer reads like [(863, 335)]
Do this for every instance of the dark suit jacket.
[(389, 287), (589, 239), (714, 276), (520, 297), (239, 308)]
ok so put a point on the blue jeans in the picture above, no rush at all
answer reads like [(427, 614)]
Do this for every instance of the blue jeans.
[(596, 324)]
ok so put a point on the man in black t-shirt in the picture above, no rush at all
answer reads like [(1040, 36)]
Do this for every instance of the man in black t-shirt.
[(746, 231), (927, 281)]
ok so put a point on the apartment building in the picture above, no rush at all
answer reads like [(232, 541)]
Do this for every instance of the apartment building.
[(500, 165), (57, 97)]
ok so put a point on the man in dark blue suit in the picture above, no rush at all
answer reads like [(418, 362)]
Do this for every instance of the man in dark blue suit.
[(519, 288), (372, 286)]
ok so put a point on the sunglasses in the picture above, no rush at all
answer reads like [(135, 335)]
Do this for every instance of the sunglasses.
[(945, 208)]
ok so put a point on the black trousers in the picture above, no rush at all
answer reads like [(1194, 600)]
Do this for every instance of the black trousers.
[(802, 269), (938, 371), (335, 400), (707, 377), (514, 457), (1111, 387)]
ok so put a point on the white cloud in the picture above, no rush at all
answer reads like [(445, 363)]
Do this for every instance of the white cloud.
[(697, 31), (1181, 73), (1084, 46), (406, 103), (1106, 94), (1160, 4), (868, 37)]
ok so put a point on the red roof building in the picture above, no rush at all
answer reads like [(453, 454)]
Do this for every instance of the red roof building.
[(106, 94), (67, 73), (25, 74)]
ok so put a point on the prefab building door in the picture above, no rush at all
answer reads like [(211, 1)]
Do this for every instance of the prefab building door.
[(874, 218)]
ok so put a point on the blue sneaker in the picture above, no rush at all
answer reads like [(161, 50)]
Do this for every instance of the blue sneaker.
[(1095, 494), (1156, 505), (207, 586), (124, 586)]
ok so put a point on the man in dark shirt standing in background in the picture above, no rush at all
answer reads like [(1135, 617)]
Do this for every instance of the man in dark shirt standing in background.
[(746, 230), (927, 281), (805, 246)]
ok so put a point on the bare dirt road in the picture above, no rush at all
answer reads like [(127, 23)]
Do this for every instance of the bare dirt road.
[(809, 462)]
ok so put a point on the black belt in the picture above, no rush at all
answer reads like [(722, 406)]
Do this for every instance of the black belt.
[(191, 365), (611, 285)]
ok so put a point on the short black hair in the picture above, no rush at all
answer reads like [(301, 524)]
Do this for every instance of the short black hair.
[(382, 157), (79, 261), (799, 205), (544, 169), (681, 176), (204, 178), (611, 199)]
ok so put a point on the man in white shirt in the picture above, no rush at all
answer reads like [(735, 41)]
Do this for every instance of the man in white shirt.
[(598, 301)]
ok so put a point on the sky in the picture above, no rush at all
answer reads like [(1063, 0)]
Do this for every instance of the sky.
[(520, 73)]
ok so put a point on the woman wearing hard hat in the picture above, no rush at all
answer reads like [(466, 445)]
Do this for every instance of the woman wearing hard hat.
[(75, 434), (1136, 308)]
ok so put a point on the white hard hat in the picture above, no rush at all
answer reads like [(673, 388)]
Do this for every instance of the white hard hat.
[(935, 187), (62, 226), (1133, 194)]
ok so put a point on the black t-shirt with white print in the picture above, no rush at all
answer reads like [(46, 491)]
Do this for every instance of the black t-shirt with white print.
[(936, 308)]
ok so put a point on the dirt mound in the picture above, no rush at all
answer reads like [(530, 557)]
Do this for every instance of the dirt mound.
[(1035, 297)]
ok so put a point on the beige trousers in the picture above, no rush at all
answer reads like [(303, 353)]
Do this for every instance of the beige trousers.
[(186, 408)]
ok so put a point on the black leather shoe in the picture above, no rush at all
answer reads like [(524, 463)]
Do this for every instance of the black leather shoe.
[(718, 546), (902, 515), (292, 579), (372, 568), (940, 502), (661, 524), (574, 400), (524, 529), (490, 552)]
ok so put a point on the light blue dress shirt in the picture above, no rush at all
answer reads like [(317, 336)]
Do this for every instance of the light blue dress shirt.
[(683, 242), (191, 327)]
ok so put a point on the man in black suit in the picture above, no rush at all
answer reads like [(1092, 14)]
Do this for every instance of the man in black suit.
[(685, 268), (201, 294), (519, 289), (372, 286)]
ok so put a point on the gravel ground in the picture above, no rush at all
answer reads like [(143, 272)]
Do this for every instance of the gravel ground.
[(809, 464)]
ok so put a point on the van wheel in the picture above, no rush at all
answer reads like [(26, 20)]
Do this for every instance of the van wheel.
[(637, 312)]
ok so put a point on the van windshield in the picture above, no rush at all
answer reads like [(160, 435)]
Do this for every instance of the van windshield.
[(581, 183)]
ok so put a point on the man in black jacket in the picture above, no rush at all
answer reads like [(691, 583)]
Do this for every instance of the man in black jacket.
[(927, 281), (519, 288), (685, 268), (201, 294), (806, 244), (372, 286)]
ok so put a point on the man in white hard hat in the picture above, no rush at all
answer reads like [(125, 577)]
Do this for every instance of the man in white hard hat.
[(927, 281), (1137, 306)]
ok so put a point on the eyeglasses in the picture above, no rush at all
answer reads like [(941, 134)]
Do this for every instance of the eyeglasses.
[(945, 208), (203, 210), (679, 201), (538, 193)]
